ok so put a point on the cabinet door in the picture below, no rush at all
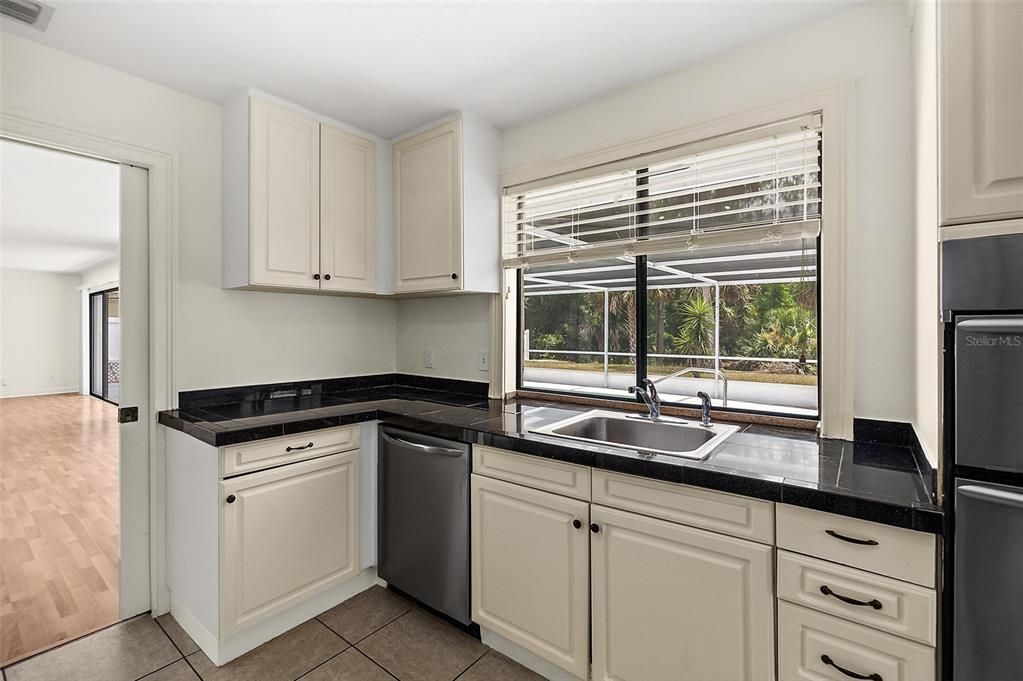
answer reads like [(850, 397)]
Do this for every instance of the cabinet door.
[(284, 197), (286, 534), (347, 211), (428, 210), (674, 603), (981, 110), (530, 570)]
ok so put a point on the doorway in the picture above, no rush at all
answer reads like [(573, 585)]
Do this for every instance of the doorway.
[(71, 349), (105, 345)]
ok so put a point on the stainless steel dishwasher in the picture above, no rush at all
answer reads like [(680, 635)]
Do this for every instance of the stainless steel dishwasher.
[(423, 519)]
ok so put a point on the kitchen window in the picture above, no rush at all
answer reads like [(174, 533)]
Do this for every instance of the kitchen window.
[(695, 266)]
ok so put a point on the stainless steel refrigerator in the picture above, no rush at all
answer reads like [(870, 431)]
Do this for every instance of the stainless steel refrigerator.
[(982, 301)]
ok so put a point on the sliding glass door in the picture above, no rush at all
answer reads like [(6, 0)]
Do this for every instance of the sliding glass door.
[(105, 345)]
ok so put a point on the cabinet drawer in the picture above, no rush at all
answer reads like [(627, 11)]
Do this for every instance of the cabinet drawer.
[(716, 511), (553, 476), (815, 647), (881, 602), (893, 551), (254, 456)]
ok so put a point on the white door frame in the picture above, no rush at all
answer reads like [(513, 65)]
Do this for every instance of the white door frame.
[(161, 165)]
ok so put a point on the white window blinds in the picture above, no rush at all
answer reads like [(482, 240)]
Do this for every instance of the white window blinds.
[(745, 188)]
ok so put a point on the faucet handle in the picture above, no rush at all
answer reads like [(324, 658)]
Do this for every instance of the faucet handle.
[(705, 408)]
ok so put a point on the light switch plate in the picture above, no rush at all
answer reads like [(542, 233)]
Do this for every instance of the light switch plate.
[(428, 358), (484, 360)]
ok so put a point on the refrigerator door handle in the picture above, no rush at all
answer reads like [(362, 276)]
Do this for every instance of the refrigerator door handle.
[(1008, 325), (988, 494)]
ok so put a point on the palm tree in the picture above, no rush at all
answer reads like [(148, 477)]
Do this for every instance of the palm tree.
[(622, 304), (696, 331)]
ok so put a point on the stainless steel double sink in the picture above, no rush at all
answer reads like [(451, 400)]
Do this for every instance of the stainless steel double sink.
[(667, 435)]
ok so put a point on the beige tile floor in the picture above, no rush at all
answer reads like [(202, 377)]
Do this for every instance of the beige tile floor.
[(375, 636)]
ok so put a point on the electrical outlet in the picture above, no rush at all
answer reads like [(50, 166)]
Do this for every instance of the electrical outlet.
[(428, 358), (484, 360)]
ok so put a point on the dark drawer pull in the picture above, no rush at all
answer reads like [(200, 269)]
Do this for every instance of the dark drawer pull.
[(851, 540), (298, 449), (874, 603), (851, 674), (577, 524)]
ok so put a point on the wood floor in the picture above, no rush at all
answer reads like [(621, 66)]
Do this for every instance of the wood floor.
[(58, 520)]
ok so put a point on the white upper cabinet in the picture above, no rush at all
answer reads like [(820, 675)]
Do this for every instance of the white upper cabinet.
[(299, 201), (347, 211), (284, 197), (980, 64), (447, 208)]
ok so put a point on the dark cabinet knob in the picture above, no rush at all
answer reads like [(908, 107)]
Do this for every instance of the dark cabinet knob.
[(594, 528), (316, 276), (327, 277), (577, 523), (230, 498), (454, 275)]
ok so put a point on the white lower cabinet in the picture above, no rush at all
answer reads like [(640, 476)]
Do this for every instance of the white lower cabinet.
[(287, 533), (631, 579), (530, 570), (675, 603), (818, 647), (645, 599), (263, 535)]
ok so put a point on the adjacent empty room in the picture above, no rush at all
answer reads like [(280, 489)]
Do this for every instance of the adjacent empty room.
[(59, 382)]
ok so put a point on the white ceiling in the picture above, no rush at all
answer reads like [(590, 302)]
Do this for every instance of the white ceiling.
[(390, 67), (58, 212)]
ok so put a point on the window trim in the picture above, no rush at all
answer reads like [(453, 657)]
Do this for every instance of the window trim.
[(836, 350)]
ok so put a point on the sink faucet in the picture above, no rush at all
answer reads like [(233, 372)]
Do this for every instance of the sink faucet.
[(648, 393), (704, 408)]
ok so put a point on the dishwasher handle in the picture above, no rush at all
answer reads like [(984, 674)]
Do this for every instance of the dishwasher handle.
[(425, 449)]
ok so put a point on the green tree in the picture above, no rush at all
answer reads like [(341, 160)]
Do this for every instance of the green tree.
[(695, 335)]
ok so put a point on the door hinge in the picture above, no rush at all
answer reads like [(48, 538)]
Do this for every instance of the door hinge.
[(127, 414)]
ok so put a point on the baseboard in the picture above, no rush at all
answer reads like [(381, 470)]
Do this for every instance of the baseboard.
[(40, 393), (527, 659), (187, 620), (222, 652)]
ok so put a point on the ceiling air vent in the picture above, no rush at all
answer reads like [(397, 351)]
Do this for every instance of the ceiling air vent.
[(35, 14)]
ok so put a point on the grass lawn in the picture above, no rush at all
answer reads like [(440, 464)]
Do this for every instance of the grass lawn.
[(733, 375)]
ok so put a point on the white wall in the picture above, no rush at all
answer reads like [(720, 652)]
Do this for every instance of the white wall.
[(222, 337), (868, 44), (103, 273), (39, 333), (456, 328), (927, 367)]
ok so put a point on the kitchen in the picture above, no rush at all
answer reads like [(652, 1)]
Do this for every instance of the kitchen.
[(356, 448)]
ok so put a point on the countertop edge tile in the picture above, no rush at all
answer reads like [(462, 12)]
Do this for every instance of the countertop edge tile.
[(485, 425)]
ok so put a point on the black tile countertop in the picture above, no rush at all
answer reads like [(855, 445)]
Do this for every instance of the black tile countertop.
[(871, 481)]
